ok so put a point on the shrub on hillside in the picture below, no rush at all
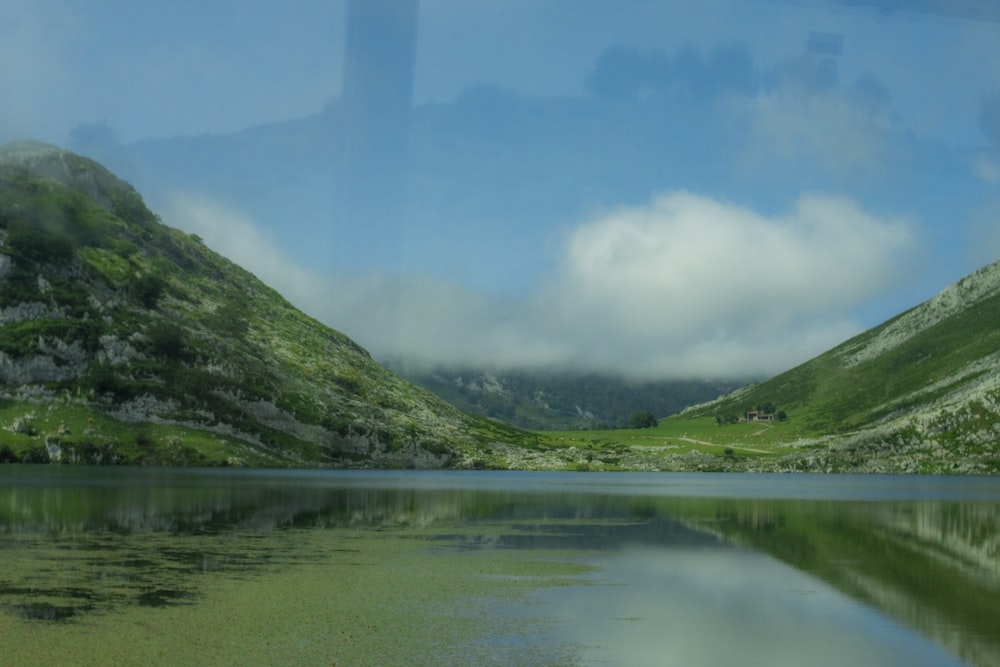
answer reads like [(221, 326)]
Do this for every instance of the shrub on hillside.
[(642, 420), (39, 243)]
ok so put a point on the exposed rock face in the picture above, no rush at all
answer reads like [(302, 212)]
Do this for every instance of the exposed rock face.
[(116, 352), (65, 364), (104, 308), (29, 310), (975, 287)]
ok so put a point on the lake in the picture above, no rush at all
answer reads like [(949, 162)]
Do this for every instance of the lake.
[(181, 566)]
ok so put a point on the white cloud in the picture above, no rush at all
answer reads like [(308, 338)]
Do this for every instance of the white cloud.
[(685, 286), (235, 236), (690, 285)]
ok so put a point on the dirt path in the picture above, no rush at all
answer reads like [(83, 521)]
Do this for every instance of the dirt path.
[(715, 444)]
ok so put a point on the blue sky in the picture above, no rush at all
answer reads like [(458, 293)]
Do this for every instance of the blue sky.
[(704, 188)]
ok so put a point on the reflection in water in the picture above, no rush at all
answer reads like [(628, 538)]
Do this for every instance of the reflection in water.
[(930, 564), (663, 606), (698, 578)]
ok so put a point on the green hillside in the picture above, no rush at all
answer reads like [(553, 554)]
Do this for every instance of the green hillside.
[(921, 356), (918, 357), (924, 384), (126, 341), (917, 394), (123, 340)]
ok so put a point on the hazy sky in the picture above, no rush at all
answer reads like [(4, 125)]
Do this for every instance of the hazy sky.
[(713, 187)]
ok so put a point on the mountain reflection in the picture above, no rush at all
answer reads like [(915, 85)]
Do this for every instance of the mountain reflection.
[(728, 607), (933, 565)]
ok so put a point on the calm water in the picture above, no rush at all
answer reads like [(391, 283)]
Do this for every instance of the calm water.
[(680, 568)]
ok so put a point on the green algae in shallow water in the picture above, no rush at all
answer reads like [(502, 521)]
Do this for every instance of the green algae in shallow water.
[(358, 597), (416, 568)]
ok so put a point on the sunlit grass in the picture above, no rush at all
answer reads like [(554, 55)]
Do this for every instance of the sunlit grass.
[(77, 427), (678, 435)]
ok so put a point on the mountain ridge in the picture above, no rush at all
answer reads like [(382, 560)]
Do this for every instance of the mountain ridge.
[(918, 392), (980, 284), (123, 339), (126, 341)]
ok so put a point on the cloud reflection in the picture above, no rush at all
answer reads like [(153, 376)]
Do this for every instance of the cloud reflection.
[(725, 607)]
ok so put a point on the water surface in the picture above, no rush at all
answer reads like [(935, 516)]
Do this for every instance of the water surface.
[(312, 567)]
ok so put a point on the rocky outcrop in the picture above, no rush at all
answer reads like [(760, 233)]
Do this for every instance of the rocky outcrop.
[(977, 286), (104, 309)]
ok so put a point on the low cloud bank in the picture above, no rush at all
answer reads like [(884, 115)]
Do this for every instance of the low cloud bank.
[(685, 286)]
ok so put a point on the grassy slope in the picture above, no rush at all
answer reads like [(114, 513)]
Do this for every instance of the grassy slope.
[(829, 397), (249, 379), (923, 382), (236, 373)]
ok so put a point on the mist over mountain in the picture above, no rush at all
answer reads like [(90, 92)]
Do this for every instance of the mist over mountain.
[(127, 341), (553, 400)]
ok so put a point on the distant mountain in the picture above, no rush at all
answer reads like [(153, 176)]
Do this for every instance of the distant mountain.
[(554, 400), (123, 340), (126, 341), (919, 392)]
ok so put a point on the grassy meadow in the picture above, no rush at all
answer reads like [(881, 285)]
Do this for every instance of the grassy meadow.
[(84, 435), (677, 435)]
